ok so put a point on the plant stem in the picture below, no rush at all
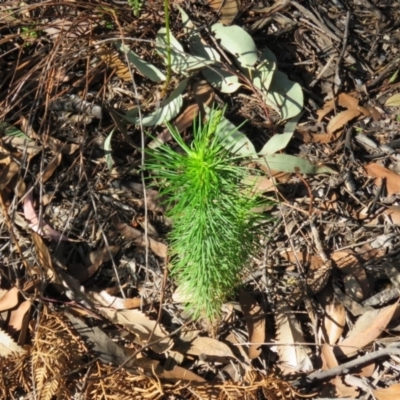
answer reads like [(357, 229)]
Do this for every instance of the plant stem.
[(168, 40)]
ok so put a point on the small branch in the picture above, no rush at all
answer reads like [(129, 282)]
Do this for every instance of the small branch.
[(344, 368)]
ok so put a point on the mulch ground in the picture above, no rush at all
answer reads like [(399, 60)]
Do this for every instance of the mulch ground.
[(87, 307)]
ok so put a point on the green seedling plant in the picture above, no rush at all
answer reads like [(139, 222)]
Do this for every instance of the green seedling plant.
[(215, 226)]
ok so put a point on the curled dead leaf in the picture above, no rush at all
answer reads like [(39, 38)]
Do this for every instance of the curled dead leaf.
[(255, 321), (392, 179), (228, 9), (389, 393), (340, 120), (367, 328), (142, 326), (160, 249)]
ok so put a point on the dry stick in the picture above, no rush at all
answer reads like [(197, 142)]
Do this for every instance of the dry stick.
[(337, 81), (344, 368)]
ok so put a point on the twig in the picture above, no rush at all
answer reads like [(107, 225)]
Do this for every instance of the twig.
[(344, 368), (337, 79)]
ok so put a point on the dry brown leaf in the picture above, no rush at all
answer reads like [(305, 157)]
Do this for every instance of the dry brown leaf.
[(389, 393), (10, 299), (259, 184), (7, 173), (328, 357), (160, 249), (112, 60), (56, 145), (8, 346), (340, 389), (347, 101), (44, 258), (367, 328), (18, 317), (178, 374), (182, 122), (334, 321), (393, 212), (309, 137), (348, 262), (392, 179), (51, 167), (228, 9), (340, 120), (142, 326), (153, 199), (255, 321), (344, 99), (292, 352), (203, 95), (213, 349)]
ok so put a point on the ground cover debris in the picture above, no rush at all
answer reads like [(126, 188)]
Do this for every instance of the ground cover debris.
[(91, 305)]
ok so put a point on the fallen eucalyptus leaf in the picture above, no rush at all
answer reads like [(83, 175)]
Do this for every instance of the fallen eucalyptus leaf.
[(145, 68), (286, 94), (288, 163), (393, 101), (181, 62), (238, 42)]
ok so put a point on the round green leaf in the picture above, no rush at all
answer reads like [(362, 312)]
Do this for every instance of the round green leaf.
[(238, 42)]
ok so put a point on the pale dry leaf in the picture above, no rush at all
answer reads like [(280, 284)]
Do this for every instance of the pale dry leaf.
[(7, 173), (389, 393), (117, 303), (392, 179), (107, 350), (340, 120), (142, 326), (367, 328), (292, 352), (334, 321), (228, 9), (10, 299), (259, 184), (255, 321), (393, 101), (213, 349), (51, 167), (8, 346)]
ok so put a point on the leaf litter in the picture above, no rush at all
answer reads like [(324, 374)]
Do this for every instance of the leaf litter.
[(328, 121)]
